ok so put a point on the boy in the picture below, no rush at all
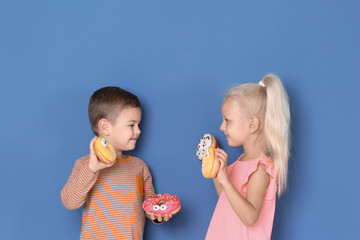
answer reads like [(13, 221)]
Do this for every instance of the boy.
[(111, 195)]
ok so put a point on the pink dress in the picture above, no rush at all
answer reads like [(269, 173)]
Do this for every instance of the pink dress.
[(225, 224)]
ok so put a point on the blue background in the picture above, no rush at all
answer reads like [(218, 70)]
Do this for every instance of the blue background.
[(179, 58)]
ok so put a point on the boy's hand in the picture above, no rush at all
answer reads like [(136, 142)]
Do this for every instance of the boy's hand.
[(223, 174), (159, 218), (95, 164)]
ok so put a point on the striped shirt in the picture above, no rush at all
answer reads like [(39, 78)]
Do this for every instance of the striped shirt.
[(111, 199)]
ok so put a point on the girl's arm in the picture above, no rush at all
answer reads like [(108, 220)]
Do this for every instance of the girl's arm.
[(247, 209), (218, 186)]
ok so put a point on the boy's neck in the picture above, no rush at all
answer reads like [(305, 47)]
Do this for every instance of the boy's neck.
[(119, 154)]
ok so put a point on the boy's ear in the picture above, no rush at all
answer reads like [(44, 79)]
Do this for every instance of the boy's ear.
[(254, 124), (104, 127)]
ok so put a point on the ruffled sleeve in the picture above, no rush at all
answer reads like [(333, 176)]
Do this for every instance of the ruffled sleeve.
[(271, 189)]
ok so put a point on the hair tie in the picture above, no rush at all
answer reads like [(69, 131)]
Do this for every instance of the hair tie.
[(262, 84)]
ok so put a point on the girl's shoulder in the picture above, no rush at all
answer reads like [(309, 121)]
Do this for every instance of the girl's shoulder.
[(252, 165), (249, 167)]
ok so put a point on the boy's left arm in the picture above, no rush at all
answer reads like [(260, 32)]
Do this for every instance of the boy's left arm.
[(149, 191)]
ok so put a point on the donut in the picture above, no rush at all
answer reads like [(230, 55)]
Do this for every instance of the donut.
[(104, 150), (205, 151), (162, 204)]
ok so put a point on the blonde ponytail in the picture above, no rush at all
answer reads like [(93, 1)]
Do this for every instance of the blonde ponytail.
[(277, 127), (269, 101)]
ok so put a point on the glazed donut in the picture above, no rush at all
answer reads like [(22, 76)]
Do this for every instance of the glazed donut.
[(162, 204), (104, 150), (205, 151)]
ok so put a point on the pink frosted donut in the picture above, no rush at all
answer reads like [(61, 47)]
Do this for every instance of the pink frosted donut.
[(162, 204)]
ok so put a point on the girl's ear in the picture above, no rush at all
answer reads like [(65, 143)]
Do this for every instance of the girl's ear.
[(104, 127), (254, 124)]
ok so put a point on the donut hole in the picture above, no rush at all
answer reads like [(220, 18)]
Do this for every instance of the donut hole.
[(103, 142)]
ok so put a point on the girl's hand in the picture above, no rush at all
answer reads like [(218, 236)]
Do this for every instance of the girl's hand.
[(223, 175), (95, 164)]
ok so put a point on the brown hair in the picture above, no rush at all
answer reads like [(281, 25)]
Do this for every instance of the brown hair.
[(107, 103)]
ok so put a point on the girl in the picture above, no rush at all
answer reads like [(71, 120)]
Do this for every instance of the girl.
[(257, 117)]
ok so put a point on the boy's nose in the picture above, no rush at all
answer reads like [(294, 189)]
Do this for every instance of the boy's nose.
[(137, 131), (222, 128)]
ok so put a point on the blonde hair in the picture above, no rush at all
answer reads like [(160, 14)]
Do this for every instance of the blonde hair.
[(270, 103)]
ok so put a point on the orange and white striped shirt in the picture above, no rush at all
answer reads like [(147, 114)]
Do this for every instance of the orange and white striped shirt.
[(111, 199)]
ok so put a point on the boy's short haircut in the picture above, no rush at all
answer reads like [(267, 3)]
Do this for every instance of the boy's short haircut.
[(107, 103)]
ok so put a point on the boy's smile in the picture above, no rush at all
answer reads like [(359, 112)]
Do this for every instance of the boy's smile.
[(124, 131)]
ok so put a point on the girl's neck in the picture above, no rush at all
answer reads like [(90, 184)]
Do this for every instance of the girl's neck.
[(251, 152)]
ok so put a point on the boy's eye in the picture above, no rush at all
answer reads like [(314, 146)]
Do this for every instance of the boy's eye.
[(134, 124)]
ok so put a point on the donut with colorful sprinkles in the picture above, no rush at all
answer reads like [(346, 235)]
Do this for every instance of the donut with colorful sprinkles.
[(162, 204)]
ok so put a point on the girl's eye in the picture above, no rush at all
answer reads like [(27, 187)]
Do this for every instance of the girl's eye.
[(156, 207)]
